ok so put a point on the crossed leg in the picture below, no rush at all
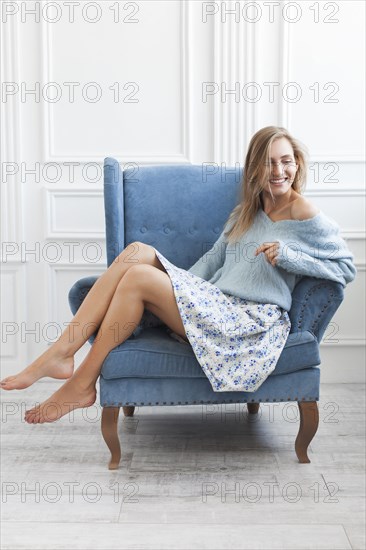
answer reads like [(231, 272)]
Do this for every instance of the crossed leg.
[(58, 360), (142, 286), (116, 305)]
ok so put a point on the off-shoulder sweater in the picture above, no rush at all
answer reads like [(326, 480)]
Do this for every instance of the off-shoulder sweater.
[(311, 247)]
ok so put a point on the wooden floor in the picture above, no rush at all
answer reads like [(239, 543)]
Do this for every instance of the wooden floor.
[(198, 477)]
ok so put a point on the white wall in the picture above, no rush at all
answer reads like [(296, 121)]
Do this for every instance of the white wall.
[(165, 54)]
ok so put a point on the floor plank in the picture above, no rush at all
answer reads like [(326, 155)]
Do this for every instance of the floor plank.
[(85, 536)]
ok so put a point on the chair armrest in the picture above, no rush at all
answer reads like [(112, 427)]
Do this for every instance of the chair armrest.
[(314, 303), (78, 292)]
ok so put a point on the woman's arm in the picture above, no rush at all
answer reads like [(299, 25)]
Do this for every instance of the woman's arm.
[(328, 260), (212, 260)]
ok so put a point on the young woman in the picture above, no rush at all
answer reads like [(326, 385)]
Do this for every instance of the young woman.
[(231, 305)]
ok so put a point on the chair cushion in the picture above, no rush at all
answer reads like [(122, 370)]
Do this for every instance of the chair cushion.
[(155, 354)]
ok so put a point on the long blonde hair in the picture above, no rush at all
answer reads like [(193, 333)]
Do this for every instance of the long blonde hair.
[(256, 174)]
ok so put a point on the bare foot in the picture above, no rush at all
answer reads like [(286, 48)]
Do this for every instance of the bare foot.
[(70, 396), (50, 363)]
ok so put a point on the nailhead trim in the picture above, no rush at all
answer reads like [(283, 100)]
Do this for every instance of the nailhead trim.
[(304, 304), (134, 404), (316, 322)]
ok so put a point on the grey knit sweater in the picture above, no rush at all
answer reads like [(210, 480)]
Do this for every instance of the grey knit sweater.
[(311, 247)]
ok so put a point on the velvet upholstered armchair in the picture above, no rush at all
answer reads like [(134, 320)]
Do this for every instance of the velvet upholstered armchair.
[(177, 208)]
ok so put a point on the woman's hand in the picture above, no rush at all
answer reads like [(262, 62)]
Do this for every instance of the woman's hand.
[(270, 250)]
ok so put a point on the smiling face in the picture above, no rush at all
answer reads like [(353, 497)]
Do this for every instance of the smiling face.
[(282, 171)]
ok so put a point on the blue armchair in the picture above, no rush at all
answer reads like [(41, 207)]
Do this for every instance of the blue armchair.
[(176, 208)]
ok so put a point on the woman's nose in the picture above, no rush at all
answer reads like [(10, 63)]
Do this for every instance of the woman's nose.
[(277, 169)]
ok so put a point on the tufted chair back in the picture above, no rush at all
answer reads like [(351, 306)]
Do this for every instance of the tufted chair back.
[(177, 208)]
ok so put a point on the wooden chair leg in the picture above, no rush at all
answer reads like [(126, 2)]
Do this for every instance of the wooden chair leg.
[(253, 408), (110, 434), (128, 410), (309, 421)]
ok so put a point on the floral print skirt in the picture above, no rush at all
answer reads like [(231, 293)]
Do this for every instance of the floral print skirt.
[(237, 342)]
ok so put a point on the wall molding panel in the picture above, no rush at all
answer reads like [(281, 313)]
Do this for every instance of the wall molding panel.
[(11, 190), (59, 285), (50, 153), (13, 316), (60, 225), (286, 112)]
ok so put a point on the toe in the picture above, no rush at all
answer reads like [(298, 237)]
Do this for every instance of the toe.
[(28, 418), (12, 383), (39, 417), (7, 379), (6, 382), (30, 414), (35, 417)]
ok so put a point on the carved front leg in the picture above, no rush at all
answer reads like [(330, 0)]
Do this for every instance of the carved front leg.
[(128, 410), (309, 421), (110, 434), (253, 408)]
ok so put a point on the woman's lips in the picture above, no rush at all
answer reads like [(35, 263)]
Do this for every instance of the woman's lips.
[(277, 182)]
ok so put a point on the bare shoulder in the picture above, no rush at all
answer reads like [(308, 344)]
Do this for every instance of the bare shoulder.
[(303, 209)]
